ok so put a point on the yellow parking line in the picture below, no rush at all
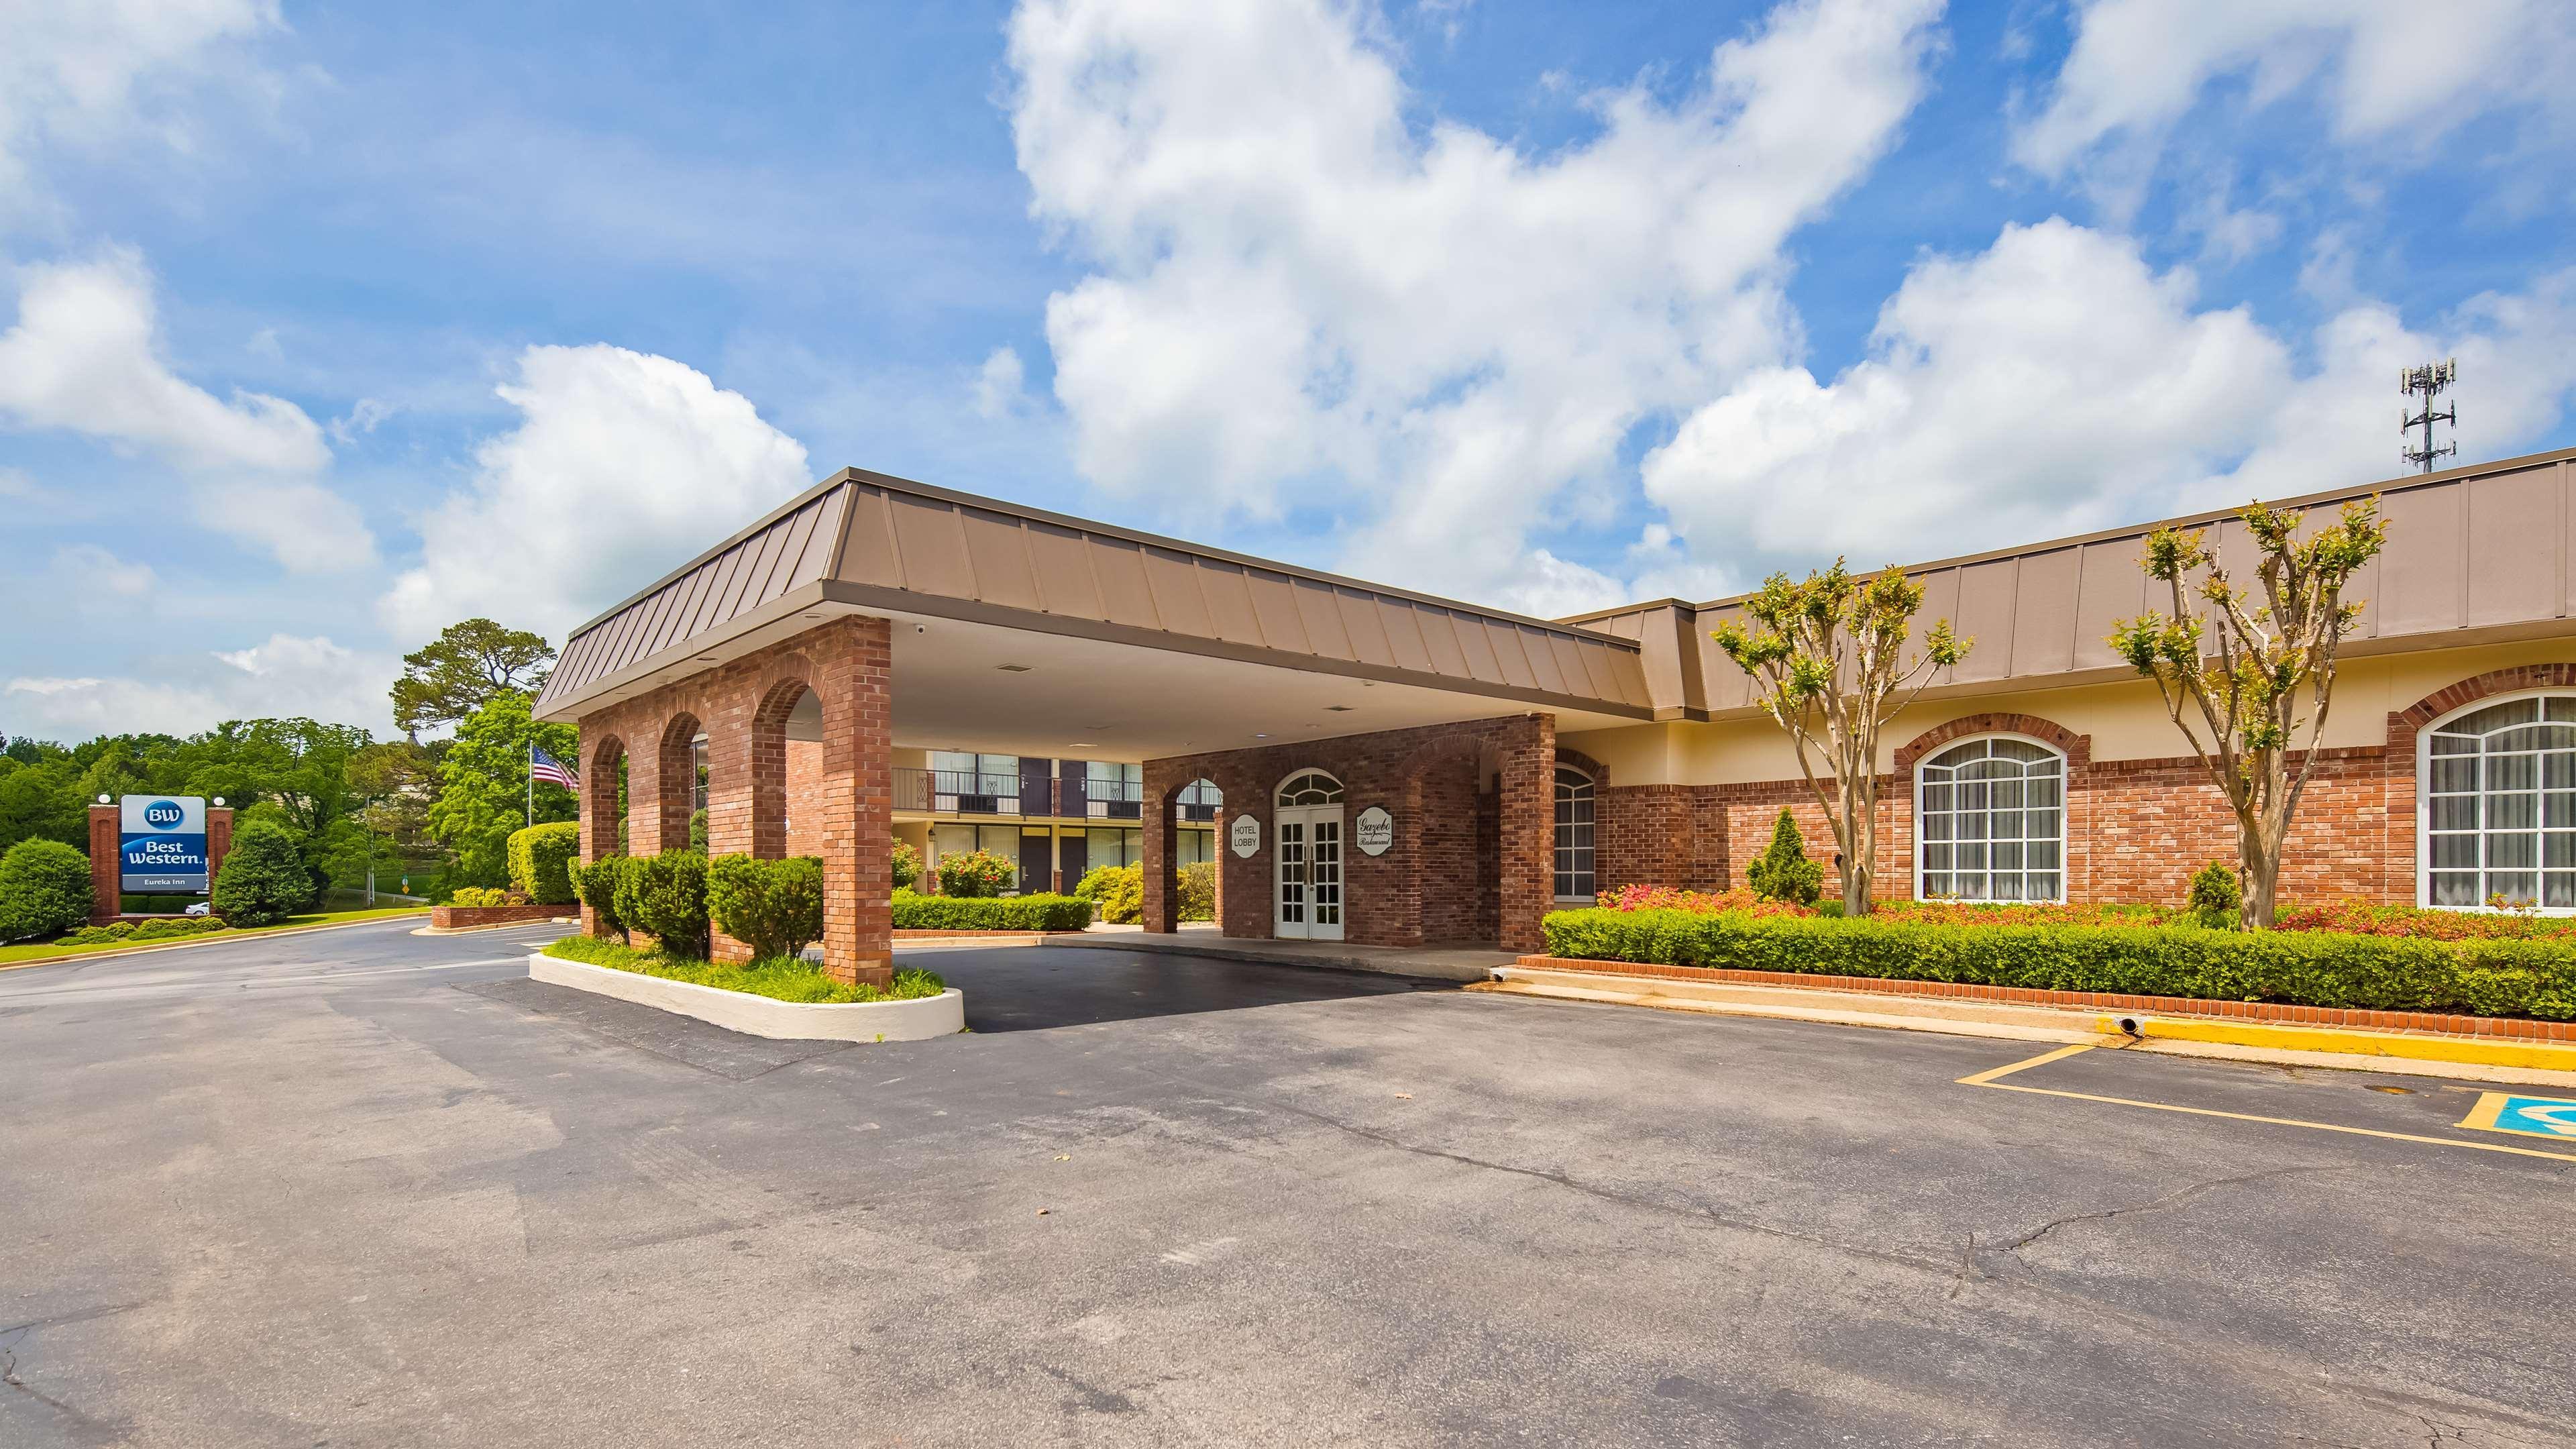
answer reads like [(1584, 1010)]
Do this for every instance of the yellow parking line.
[(1992, 1079)]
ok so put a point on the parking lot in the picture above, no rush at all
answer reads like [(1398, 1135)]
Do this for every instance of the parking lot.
[(363, 1187)]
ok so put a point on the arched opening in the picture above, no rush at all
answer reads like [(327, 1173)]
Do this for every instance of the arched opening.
[(603, 799), (2496, 782), (786, 772), (680, 781), (1307, 901), (1575, 880), (1990, 821), (1197, 851)]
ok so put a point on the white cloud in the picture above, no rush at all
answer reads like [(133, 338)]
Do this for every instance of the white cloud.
[(2391, 70), (2056, 383), (88, 566), (623, 465), (364, 417), (1001, 385), (284, 676), (1303, 300), (88, 73), (86, 357)]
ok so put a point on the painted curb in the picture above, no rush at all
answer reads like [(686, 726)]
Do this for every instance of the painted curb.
[(863, 1021), (2529, 1056), (211, 938)]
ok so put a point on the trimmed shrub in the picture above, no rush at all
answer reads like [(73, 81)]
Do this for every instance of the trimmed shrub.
[(1097, 881), (698, 831), (773, 906), (1782, 871), (665, 896), (1198, 891), (596, 884), (783, 978), (540, 857), (976, 873), (2216, 900), (907, 864), (479, 896), (2490, 977), (2368, 918), (116, 931), (44, 889), (1123, 902), (264, 879), (989, 913)]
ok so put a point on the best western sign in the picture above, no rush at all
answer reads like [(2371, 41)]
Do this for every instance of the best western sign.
[(164, 839)]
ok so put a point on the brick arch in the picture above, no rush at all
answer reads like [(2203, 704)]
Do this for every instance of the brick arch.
[(781, 687), (600, 815), (675, 778), (2078, 749), (2477, 687), (1600, 773)]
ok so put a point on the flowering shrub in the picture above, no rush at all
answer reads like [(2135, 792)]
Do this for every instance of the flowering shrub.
[(1666, 898), (2029, 913), (2364, 918), (975, 873)]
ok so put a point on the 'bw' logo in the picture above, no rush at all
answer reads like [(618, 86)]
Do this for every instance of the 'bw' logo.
[(163, 813)]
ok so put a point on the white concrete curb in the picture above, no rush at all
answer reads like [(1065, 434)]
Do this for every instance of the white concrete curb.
[(868, 1021)]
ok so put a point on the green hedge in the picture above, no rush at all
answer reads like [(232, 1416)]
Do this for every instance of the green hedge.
[(596, 884), (263, 880), (44, 888), (989, 913), (781, 978), (2301, 968), (773, 906), (665, 896), (539, 857)]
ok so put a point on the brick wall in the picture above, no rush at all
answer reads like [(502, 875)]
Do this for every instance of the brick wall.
[(1445, 871), (842, 810), (2135, 829)]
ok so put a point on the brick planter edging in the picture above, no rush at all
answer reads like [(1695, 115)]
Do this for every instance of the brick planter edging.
[(458, 918), (2436, 1023)]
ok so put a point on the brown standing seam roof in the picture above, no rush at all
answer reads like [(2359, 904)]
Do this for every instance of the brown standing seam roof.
[(2488, 548), (873, 541)]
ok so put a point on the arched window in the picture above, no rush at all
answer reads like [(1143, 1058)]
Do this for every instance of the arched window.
[(1574, 879), (2499, 807), (1991, 822), (1311, 787)]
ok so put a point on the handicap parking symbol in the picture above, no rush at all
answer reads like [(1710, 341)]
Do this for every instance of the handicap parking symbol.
[(2530, 1116)]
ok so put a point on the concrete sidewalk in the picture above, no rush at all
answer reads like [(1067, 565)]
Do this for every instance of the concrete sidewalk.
[(1435, 963)]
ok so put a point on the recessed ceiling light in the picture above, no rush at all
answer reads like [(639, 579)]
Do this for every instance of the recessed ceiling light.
[(1337, 709), (1012, 668), (1082, 745), (1261, 737)]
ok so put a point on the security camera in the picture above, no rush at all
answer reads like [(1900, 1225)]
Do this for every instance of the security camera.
[(921, 628)]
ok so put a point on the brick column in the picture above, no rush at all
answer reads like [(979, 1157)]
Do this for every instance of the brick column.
[(599, 818), (1528, 835), (854, 659), (219, 841), (733, 824), (106, 859), (1162, 883)]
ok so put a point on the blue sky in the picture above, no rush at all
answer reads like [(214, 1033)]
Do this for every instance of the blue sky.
[(322, 326)]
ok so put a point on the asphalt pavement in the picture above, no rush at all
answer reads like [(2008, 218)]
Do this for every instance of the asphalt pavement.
[(361, 1187)]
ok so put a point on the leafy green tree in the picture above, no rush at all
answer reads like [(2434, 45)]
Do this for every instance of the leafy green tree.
[(44, 889), (264, 879), (42, 800), (483, 786), (2258, 675), (466, 667), (1828, 657)]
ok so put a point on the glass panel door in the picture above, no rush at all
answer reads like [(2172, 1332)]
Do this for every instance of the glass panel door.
[(1324, 874), (1291, 830)]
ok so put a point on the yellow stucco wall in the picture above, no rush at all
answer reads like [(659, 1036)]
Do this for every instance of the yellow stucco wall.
[(2126, 719)]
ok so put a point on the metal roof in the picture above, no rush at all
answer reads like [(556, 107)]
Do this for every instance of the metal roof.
[(874, 542), (2474, 555)]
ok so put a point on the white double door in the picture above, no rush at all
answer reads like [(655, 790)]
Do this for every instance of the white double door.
[(1309, 870)]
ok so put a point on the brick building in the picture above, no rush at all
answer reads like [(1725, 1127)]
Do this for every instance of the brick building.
[(1375, 765)]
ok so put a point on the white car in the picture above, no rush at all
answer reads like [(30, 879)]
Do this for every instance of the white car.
[(202, 908)]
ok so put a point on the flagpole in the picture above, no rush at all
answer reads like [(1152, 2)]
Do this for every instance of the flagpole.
[(532, 780)]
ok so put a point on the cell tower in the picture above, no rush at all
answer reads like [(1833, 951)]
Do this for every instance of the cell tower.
[(2427, 382)]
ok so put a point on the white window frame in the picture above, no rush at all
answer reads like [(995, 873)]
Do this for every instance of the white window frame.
[(1555, 825), (2065, 807), (2424, 803)]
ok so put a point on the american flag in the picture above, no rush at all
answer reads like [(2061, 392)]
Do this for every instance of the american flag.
[(542, 766)]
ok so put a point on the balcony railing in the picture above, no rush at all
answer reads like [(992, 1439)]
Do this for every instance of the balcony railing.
[(1113, 800), (964, 792)]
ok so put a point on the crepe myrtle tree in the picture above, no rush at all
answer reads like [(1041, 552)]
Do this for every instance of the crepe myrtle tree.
[(2250, 686), (1828, 654)]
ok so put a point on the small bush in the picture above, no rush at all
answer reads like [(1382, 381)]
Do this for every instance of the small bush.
[(976, 873), (1123, 903), (907, 864), (44, 889), (782, 978), (1666, 898), (989, 913), (540, 857), (1198, 891), (101, 935), (698, 831), (479, 896), (596, 883), (2486, 977), (264, 879), (2216, 901), (1096, 881), (665, 896), (773, 906), (174, 927), (1782, 872)]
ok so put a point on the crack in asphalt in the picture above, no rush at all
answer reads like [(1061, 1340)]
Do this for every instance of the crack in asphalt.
[(14, 1334), (2174, 1199)]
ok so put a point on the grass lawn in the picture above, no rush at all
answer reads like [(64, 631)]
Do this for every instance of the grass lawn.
[(784, 978), (26, 952)]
